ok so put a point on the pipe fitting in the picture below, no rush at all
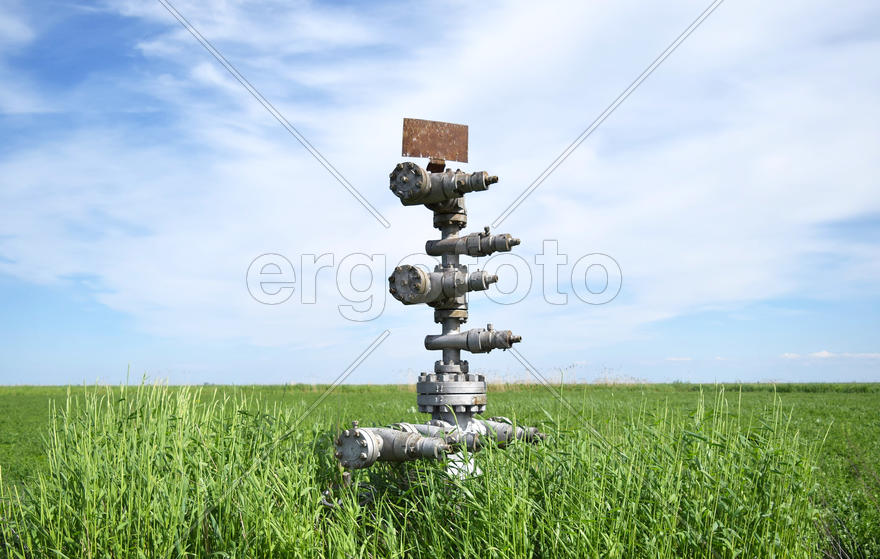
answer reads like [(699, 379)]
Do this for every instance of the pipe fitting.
[(412, 285), (414, 185), (361, 448), (473, 244), (475, 340)]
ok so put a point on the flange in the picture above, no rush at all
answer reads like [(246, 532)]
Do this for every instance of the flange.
[(357, 448)]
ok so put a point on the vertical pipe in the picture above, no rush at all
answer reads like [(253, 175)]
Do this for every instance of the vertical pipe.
[(450, 325), (449, 232)]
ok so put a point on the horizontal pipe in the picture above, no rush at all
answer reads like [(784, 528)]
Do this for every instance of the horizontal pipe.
[(411, 285), (362, 447), (475, 340), (505, 432), (473, 244)]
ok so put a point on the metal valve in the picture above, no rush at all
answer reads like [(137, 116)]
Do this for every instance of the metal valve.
[(475, 340), (474, 244), (411, 285), (414, 185), (452, 394)]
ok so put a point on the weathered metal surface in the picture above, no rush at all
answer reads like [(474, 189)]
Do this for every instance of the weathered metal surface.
[(362, 447), (411, 285), (414, 185), (436, 165), (436, 140), (451, 387), (451, 394), (475, 244)]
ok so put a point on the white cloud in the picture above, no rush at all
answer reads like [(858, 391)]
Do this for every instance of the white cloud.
[(14, 30), (17, 95), (709, 185), (825, 354), (679, 359)]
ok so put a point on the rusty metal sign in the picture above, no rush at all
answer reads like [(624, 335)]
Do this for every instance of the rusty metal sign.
[(436, 140)]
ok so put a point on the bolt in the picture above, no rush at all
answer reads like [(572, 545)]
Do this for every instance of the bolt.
[(354, 424), (404, 179), (514, 242), (362, 443), (338, 454), (363, 455), (338, 441), (346, 433), (492, 179)]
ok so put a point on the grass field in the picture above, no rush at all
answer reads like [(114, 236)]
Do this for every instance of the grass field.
[(639, 471)]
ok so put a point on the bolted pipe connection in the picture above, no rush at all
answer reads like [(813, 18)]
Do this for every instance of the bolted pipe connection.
[(454, 396), (411, 285), (361, 448), (414, 185)]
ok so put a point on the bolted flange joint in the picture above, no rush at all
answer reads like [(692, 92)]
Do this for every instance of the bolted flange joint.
[(412, 285), (414, 185)]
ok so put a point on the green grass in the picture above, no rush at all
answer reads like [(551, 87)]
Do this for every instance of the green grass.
[(670, 471)]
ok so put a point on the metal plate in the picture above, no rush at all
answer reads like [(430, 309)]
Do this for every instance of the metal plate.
[(439, 140)]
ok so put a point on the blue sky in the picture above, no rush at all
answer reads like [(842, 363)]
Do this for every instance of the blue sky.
[(737, 188)]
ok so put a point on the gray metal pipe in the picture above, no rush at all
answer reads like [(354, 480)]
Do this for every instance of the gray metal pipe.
[(363, 447), (412, 285), (414, 185), (475, 340), (473, 244)]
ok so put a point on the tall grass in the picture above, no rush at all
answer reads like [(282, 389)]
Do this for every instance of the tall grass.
[(151, 471)]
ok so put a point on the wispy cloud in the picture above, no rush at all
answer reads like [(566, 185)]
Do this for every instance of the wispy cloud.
[(712, 186), (825, 354)]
